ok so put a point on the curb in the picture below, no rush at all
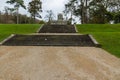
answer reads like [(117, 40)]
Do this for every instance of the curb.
[(75, 28), (11, 36), (39, 28), (52, 34), (94, 41)]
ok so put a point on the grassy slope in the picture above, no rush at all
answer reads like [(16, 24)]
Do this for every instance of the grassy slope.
[(8, 29), (106, 34)]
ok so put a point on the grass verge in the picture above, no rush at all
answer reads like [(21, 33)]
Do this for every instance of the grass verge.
[(106, 34), (8, 29)]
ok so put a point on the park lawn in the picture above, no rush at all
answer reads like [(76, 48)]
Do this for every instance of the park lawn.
[(106, 34), (8, 29)]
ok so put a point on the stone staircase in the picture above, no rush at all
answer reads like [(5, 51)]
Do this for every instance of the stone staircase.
[(52, 35)]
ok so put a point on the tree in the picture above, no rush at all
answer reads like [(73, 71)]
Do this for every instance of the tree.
[(83, 9), (0, 17), (103, 11), (6, 15), (17, 5), (34, 8), (78, 8), (50, 15), (65, 12), (69, 9), (94, 11), (117, 17), (97, 11)]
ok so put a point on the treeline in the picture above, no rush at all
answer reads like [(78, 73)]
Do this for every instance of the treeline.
[(94, 11), (12, 15), (8, 17)]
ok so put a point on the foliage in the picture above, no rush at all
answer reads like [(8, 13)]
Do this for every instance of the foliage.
[(17, 5), (69, 9), (117, 17), (42, 22), (78, 8), (9, 17), (34, 8), (94, 11), (106, 34)]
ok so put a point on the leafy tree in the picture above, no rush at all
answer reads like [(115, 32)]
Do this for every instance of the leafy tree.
[(42, 22), (94, 11), (117, 17), (97, 12), (17, 5), (78, 8), (84, 8), (109, 16), (34, 8), (103, 11)]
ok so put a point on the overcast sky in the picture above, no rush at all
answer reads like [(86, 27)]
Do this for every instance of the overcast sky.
[(56, 5)]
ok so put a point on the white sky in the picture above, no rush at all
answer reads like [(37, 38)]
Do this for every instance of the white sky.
[(56, 5)]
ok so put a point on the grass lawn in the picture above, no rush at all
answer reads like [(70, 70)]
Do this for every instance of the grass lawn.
[(8, 29), (106, 34)]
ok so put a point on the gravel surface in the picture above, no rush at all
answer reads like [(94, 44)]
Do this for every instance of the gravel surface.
[(57, 63)]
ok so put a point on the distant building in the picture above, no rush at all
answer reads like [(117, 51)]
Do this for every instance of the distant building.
[(60, 20)]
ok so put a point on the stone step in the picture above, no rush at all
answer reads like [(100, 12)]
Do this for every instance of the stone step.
[(49, 40), (57, 29)]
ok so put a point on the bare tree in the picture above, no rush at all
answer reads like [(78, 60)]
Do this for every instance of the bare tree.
[(50, 15)]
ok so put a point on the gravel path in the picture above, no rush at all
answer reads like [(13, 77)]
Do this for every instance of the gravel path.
[(57, 63)]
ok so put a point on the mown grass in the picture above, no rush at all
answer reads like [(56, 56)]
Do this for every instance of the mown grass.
[(8, 29), (106, 34)]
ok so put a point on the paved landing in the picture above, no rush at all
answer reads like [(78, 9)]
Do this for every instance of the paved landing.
[(57, 63)]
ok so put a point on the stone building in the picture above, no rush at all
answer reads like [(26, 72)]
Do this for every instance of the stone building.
[(60, 20)]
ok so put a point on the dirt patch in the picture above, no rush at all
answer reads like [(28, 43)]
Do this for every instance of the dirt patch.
[(57, 63)]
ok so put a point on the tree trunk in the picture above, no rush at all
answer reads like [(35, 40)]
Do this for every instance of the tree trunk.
[(17, 15), (86, 3), (82, 16), (34, 18), (0, 17)]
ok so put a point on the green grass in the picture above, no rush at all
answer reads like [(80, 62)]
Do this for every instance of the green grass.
[(8, 29), (106, 34)]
